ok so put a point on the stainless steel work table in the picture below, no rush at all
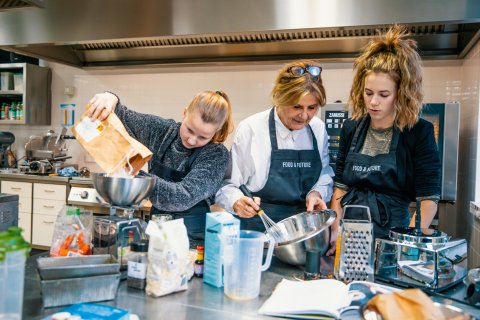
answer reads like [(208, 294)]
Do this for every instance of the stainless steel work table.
[(200, 301)]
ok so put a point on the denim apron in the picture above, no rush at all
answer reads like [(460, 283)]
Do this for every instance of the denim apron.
[(375, 183), (291, 176), (194, 218)]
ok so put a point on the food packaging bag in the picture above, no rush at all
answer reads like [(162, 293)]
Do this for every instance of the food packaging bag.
[(72, 233), (168, 257), (109, 143)]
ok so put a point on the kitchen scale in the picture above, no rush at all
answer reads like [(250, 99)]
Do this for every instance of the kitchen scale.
[(423, 258)]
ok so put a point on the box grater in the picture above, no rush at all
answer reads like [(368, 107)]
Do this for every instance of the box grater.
[(354, 254)]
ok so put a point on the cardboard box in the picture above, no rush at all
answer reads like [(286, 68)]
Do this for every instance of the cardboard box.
[(218, 224)]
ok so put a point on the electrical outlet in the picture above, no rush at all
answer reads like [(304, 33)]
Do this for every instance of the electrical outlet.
[(475, 209)]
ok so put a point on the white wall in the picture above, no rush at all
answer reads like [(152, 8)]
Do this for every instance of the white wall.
[(166, 91)]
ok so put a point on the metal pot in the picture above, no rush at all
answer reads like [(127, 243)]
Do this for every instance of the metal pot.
[(306, 231)]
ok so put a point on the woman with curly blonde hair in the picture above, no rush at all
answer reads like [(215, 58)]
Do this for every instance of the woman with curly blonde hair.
[(388, 156)]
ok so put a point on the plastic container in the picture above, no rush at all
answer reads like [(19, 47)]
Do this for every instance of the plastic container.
[(18, 82), (243, 264), (13, 255), (6, 81), (137, 264)]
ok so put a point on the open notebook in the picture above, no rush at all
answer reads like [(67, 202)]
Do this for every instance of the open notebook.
[(325, 298)]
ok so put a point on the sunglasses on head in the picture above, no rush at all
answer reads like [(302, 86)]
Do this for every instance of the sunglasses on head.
[(298, 71)]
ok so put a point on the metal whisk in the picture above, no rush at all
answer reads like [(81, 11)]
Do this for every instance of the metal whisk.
[(271, 227)]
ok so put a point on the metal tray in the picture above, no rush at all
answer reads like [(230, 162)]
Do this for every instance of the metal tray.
[(77, 290), (75, 267)]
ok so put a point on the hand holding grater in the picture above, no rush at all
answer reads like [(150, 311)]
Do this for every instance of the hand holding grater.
[(354, 254)]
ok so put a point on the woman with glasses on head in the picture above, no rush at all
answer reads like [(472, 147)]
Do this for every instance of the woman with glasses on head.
[(388, 156), (281, 154), (189, 159)]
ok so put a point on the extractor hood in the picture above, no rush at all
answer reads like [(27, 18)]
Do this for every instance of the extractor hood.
[(110, 33)]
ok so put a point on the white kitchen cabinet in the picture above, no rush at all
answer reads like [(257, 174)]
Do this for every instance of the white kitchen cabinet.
[(30, 86), (48, 200), (24, 191)]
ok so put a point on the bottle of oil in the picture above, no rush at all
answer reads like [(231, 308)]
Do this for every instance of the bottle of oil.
[(198, 268)]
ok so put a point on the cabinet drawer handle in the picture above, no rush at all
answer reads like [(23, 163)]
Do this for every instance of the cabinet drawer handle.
[(49, 207), (16, 188), (46, 190), (48, 222)]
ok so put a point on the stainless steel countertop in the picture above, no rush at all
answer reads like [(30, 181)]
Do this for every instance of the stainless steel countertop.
[(33, 178), (200, 301)]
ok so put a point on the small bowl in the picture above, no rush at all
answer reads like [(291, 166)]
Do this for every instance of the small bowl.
[(304, 231)]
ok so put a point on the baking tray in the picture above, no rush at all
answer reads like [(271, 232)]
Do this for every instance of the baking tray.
[(78, 266), (78, 290)]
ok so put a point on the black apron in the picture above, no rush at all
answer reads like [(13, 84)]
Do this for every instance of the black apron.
[(194, 218), (375, 183), (291, 176)]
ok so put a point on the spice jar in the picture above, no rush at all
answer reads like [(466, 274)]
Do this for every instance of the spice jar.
[(198, 267), (137, 264)]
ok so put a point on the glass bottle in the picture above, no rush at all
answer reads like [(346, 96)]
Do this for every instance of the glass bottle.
[(12, 111), (137, 264), (2, 112), (198, 267)]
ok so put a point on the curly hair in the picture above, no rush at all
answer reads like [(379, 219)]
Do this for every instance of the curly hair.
[(214, 107), (289, 89), (391, 53)]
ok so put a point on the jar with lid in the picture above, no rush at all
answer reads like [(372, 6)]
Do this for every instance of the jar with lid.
[(137, 264)]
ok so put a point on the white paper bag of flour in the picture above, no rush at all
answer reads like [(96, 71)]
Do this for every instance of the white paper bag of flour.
[(168, 257)]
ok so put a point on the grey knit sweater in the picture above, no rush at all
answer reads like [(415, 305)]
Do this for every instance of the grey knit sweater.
[(206, 172)]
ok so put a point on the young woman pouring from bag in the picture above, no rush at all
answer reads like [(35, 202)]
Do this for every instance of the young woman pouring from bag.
[(189, 160), (281, 154), (388, 156)]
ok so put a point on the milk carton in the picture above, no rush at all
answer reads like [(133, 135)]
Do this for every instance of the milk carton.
[(218, 224)]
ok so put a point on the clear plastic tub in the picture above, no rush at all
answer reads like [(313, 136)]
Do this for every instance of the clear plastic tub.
[(13, 255)]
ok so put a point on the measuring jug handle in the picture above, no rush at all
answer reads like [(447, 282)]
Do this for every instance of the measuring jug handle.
[(268, 258), (358, 206)]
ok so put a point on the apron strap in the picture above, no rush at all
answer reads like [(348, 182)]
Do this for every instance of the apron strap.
[(273, 132)]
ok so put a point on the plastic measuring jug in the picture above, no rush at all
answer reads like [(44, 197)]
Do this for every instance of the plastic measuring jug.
[(242, 258), (13, 255)]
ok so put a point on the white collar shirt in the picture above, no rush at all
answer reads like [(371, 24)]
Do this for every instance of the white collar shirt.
[(251, 154)]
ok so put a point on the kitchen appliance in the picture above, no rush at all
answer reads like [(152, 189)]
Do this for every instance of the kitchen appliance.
[(45, 154), (8, 211), (424, 258), (304, 231), (354, 258), (6, 140), (113, 234)]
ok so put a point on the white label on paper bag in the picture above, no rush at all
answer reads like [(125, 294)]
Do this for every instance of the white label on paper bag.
[(88, 129)]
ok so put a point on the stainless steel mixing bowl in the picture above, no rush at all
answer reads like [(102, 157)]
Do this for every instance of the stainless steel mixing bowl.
[(123, 192), (302, 232)]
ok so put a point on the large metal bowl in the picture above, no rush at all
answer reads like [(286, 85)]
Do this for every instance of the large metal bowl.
[(123, 192), (305, 231)]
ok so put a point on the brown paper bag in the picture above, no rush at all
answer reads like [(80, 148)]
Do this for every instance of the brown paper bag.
[(407, 304), (109, 143)]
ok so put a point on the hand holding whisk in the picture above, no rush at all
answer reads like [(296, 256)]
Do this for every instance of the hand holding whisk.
[(271, 227)]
